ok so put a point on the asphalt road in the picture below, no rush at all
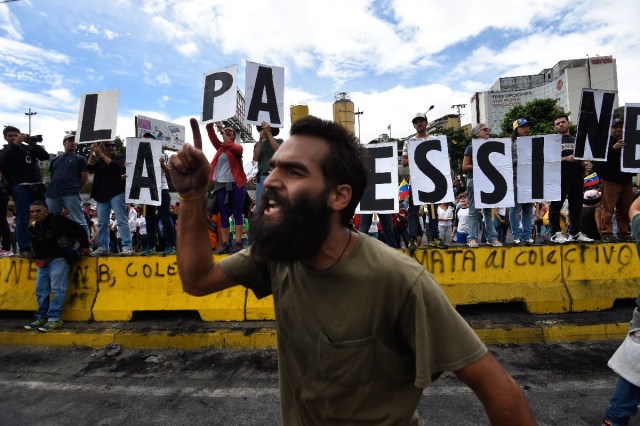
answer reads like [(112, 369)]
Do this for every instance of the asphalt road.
[(566, 384)]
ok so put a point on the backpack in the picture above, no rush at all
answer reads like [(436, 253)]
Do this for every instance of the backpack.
[(70, 246)]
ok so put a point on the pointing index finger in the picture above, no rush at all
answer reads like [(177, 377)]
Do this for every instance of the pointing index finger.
[(195, 129)]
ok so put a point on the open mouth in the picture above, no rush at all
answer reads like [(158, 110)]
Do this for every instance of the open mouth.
[(272, 208)]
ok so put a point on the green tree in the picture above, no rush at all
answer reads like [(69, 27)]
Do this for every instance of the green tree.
[(539, 111), (619, 113), (457, 142)]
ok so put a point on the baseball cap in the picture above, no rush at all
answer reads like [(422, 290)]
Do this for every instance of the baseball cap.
[(419, 116), (67, 137), (521, 122), (274, 130), (616, 121)]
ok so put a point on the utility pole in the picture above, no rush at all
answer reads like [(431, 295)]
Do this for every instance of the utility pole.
[(459, 107), (358, 114), (30, 113)]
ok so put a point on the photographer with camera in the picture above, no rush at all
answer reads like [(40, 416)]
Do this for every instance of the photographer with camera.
[(19, 165)]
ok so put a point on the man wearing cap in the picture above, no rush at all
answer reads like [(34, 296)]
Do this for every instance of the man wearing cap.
[(617, 188), (521, 214), (69, 172), (625, 400), (571, 183), (263, 150), (420, 122), (20, 168)]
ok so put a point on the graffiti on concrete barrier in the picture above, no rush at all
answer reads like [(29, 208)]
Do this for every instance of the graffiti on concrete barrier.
[(457, 260)]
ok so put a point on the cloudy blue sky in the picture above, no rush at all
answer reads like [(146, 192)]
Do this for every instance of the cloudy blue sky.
[(394, 57)]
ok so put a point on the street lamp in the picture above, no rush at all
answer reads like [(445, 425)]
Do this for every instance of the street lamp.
[(430, 108), (30, 113)]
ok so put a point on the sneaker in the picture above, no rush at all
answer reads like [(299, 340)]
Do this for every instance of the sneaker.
[(170, 250), (127, 251), (226, 249), (626, 238), (27, 254), (148, 251), (580, 238), (517, 241), (530, 242), (436, 243), (495, 243), (558, 238), (100, 252), (6, 253), (472, 243), (412, 245), (50, 325), (35, 325), (237, 246), (608, 239)]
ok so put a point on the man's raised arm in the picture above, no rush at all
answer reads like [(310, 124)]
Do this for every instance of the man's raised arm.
[(190, 173)]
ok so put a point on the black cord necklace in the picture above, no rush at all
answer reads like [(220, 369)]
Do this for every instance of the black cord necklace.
[(345, 248)]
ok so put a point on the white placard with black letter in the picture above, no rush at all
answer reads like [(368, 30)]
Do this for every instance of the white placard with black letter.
[(381, 193), (430, 170), (219, 94), (630, 157), (594, 124), (492, 173), (98, 116), (264, 92), (169, 134), (143, 172), (538, 168)]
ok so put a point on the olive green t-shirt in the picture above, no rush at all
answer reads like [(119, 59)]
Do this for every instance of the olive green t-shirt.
[(267, 154), (635, 231), (358, 342)]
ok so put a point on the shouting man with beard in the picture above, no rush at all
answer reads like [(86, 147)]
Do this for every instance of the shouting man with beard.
[(362, 328)]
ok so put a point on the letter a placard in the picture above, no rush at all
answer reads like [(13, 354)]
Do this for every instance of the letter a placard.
[(143, 171), (98, 116), (219, 94), (265, 94)]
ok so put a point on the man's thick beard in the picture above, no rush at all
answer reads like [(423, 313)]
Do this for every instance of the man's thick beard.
[(298, 234)]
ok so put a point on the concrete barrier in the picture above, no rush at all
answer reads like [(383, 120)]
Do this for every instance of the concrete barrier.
[(546, 279)]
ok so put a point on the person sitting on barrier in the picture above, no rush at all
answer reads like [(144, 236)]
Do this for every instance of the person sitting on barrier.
[(591, 214), (372, 364), (625, 400), (47, 232)]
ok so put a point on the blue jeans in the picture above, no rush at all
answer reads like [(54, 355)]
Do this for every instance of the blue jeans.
[(624, 403), (53, 278), (167, 223), (22, 200), (259, 189), (474, 218), (104, 214), (522, 212), (74, 207), (387, 227)]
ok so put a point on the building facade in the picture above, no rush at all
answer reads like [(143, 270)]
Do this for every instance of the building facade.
[(564, 81)]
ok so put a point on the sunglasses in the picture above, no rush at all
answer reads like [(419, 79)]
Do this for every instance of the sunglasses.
[(486, 129)]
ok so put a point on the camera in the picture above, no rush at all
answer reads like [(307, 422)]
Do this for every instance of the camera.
[(34, 138)]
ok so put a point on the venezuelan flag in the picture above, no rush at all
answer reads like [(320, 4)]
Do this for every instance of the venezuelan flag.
[(591, 180), (403, 189)]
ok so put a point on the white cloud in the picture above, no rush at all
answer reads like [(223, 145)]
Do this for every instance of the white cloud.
[(94, 47), (163, 101), (91, 29), (111, 34), (8, 24), (161, 79)]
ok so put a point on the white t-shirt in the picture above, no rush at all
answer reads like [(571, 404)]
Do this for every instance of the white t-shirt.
[(463, 220), (142, 225)]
